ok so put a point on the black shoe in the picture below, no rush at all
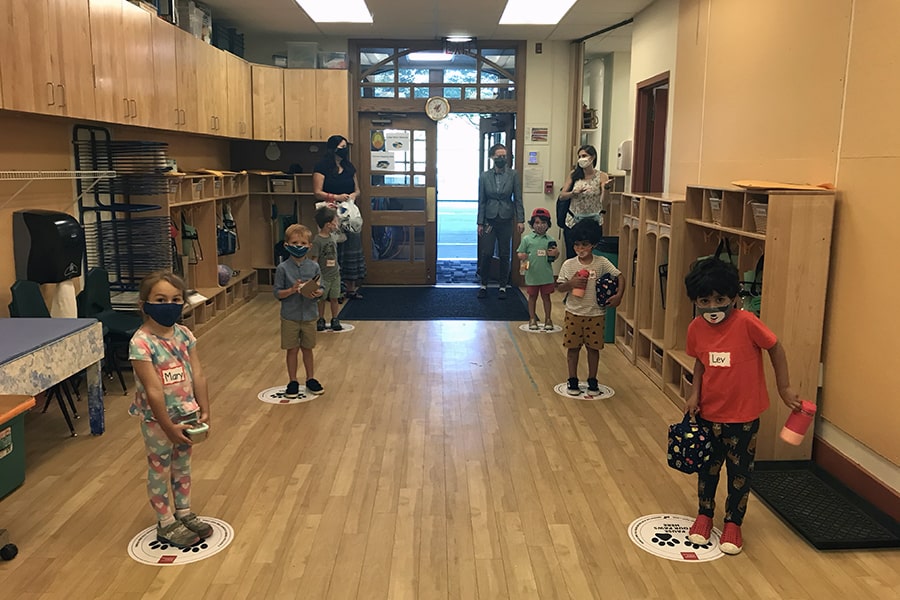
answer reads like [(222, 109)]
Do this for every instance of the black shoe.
[(593, 387), (502, 294), (336, 325), (482, 292), (320, 325), (572, 388), (314, 387), (292, 390)]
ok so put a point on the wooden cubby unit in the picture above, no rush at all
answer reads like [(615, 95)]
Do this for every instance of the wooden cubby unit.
[(286, 194), (791, 228), (201, 199)]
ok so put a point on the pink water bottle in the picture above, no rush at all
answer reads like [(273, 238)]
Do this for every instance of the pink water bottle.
[(579, 291), (798, 422)]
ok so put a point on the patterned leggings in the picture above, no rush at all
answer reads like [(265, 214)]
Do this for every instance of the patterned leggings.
[(736, 444), (166, 462)]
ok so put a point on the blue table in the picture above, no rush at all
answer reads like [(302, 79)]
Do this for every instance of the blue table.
[(36, 354)]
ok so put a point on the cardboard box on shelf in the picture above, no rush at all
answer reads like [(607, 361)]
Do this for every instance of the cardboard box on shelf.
[(333, 60)]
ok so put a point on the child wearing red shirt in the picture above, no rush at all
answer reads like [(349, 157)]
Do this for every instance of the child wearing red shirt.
[(729, 392)]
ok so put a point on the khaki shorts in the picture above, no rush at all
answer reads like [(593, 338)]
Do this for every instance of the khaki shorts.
[(584, 331), (298, 334), (331, 287)]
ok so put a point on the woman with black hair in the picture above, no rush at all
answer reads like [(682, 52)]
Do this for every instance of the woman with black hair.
[(335, 182), (584, 191)]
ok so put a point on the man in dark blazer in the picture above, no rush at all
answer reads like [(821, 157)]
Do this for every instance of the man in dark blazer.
[(499, 208)]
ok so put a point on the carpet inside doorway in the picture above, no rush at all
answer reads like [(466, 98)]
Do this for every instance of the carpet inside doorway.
[(821, 509)]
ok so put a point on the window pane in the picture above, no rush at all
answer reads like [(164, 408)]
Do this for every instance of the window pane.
[(382, 203), (419, 243), (372, 56), (403, 92), (408, 75), (397, 242), (384, 75), (471, 93), (505, 58), (419, 181), (384, 92), (452, 93), (422, 92), (390, 180)]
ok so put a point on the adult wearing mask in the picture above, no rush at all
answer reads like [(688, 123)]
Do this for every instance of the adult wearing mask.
[(499, 209), (584, 189), (335, 182)]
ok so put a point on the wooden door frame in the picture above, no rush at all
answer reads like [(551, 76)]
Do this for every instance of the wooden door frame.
[(645, 160)]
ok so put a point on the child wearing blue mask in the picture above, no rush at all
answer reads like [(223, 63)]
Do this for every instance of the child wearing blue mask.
[(299, 307), (171, 398), (729, 392)]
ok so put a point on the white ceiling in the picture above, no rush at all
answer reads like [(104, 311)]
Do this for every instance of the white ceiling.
[(422, 19)]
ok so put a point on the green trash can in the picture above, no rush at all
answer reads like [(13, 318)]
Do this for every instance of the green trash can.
[(12, 441), (609, 248)]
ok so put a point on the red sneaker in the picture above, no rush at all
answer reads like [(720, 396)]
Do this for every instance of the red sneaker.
[(731, 541), (700, 530)]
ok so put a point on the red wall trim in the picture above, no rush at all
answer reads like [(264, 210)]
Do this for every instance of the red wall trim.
[(856, 478)]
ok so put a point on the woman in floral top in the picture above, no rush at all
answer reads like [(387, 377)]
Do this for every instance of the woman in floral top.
[(584, 188)]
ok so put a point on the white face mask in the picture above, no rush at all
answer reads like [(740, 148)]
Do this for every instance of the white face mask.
[(585, 161)]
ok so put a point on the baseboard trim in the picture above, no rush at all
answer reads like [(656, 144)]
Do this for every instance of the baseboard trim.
[(855, 477)]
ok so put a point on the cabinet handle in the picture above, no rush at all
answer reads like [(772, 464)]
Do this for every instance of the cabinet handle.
[(62, 94), (217, 123), (183, 117), (177, 117), (320, 134), (133, 108), (311, 133), (50, 98), (127, 108)]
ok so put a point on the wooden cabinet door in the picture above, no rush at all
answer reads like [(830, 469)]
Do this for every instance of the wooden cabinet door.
[(236, 123), (74, 68), (186, 73), (210, 70), (332, 104), (137, 54), (268, 102), (164, 112), (25, 58), (300, 105), (109, 49)]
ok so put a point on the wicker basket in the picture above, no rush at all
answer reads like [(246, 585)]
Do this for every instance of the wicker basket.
[(760, 215)]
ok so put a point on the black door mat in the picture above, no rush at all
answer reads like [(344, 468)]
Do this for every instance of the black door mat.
[(821, 509)]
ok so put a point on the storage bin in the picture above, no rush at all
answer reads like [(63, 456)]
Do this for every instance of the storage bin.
[(665, 213), (760, 215), (333, 60), (302, 55), (12, 441), (282, 186), (197, 190), (635, 207)]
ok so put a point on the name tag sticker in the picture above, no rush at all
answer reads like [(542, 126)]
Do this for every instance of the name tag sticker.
[(173, 375), (720, 359), (330, 262), (542, 253)]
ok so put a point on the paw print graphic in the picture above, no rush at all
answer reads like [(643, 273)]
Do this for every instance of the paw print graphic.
[(689, 544), (665, 539)]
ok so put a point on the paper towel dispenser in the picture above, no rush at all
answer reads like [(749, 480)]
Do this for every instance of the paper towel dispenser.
[(48, 246), (623, 158)]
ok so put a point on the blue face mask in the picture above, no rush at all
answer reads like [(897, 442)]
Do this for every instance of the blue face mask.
[(297, 251), (164, 314)]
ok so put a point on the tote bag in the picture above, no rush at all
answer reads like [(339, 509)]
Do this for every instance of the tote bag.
[(689, 447)]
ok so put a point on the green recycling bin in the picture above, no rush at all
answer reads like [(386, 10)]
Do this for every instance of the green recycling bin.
[(609, 248)]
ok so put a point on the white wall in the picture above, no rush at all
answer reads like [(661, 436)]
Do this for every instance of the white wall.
[(654, 43), (621, 119), (549, 82)]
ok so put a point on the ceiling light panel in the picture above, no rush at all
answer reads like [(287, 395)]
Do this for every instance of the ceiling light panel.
[(535, 12), (329, 11)]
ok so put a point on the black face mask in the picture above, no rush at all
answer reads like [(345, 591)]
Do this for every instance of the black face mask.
[(342, 153), (500, 162)]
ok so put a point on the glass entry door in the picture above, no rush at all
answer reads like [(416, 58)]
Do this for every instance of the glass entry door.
[(397, 180)]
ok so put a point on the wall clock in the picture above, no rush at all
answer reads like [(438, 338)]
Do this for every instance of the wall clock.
[(437, 107)]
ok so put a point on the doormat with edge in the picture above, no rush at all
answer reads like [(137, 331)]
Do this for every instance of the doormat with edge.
[(820, 508)]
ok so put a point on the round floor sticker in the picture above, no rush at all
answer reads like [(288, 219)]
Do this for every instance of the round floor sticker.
[(666, 536), (605, 391), (146, 549), (275, 395), (524, 327), (345, 327)]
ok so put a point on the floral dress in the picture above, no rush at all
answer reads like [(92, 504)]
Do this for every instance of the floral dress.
[(587, 197)]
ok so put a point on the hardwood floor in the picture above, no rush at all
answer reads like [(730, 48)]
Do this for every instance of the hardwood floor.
[(439, 463)]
